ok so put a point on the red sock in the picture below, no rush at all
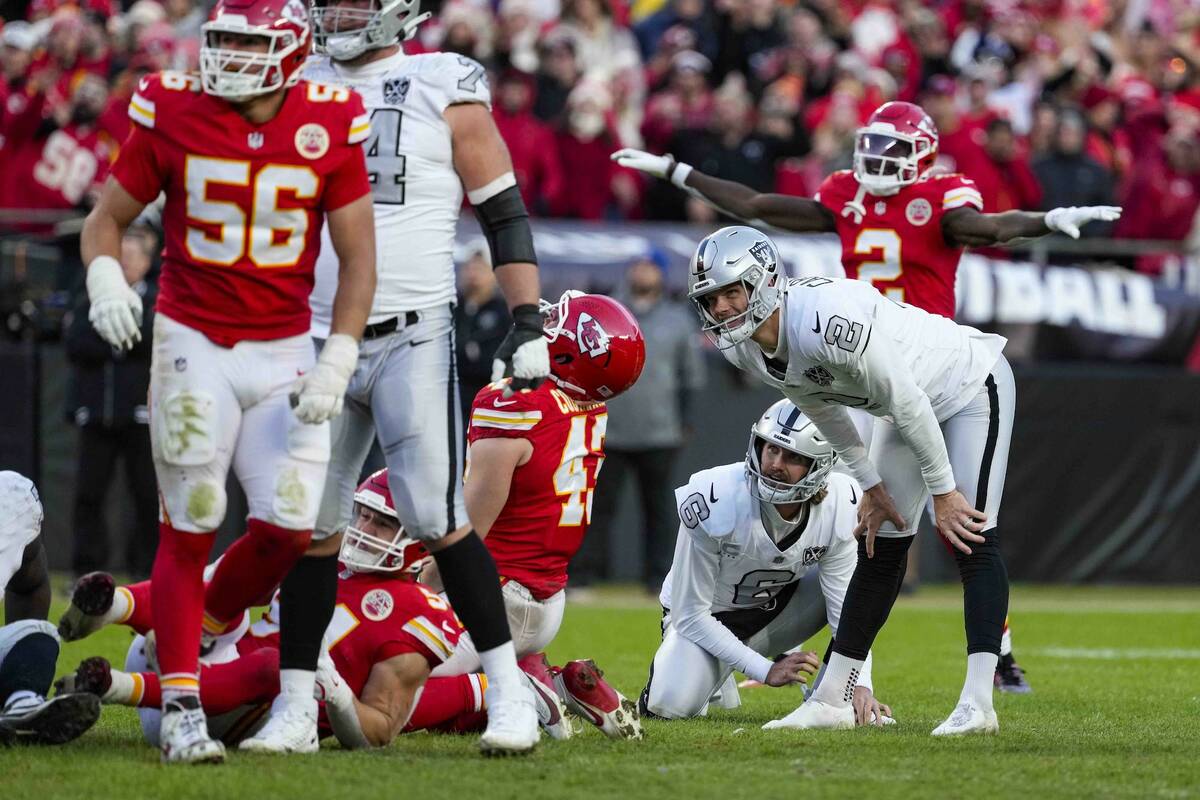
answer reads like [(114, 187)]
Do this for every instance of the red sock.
[(250, 680), (140, 616), (251, 568), (177, 599), (444, 701)]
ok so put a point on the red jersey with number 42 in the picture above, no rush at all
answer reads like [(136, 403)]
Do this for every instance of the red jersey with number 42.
[(550, 501), (245, 202), (898, 246)]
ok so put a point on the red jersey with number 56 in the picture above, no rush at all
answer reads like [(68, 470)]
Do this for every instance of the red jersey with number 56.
[(898, 245), (550, 500), (244, 203)]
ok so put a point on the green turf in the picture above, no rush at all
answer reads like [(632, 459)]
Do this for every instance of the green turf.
[(1115, 713)]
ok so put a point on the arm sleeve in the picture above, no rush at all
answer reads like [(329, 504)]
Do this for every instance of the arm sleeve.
[(694, 580), (141, 165)]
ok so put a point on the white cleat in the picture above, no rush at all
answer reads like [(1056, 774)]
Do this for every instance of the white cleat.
[(512, 726), (815, 715), (184, 737), (968, 718), (291, 728), (551, 711)]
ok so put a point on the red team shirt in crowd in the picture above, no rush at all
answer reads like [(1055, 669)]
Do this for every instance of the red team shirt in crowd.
[(898, 246), (245, 202), (543, 523), (377, 617)]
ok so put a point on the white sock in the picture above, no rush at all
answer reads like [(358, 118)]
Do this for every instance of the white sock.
[(981, 672), (122, 607), (123, 689), (23, 698), (838, 680), (297, 683), (1006, 642), (500, 666)]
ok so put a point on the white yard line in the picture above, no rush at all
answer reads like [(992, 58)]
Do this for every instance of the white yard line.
[(1117, 653)]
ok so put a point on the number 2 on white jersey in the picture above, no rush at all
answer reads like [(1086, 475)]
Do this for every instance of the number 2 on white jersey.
[(265, 221), (570, 479), (886, 268)]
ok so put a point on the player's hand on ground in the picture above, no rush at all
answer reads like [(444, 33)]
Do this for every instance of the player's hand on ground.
[(330, 687), (1070, 219), (317, 395), (116, 309), (876, 508), (523, 355), (957, 520), (793, 668), (867, 708), (658, 166)]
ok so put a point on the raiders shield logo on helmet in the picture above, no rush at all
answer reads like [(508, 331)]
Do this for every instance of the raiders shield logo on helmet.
[(762, 254)]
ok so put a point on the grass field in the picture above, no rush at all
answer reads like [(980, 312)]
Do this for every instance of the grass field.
[(1115, 713)]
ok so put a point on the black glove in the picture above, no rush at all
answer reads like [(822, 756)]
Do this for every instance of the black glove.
[(523, 355)]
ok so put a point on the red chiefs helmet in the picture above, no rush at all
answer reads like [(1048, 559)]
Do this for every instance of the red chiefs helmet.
[(237, 74), (896, 146), (596, 347), (363, 552)]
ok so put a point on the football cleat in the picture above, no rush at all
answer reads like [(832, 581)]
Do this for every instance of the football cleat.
[(59, 720), (91, 599), (1010, 678), (591, 697), (968, 718), (183, 735), (291, 728), (552, 712), (512, 725), (814, 714), (93, 676)]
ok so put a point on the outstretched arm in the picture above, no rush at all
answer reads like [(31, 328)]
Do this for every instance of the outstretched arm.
[(799, 214), (968, 227)]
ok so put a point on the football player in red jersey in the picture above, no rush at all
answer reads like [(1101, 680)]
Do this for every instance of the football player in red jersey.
[(252, 160), (388, 632), (533, 459), (902, 227)]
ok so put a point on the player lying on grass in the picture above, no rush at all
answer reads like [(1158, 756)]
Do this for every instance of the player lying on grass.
[(28, 643), (533, 460), (764, 555), (386, 635)]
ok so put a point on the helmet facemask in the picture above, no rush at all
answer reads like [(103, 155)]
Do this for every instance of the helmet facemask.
[(885, 160), (731, 257), (762, 298), (345, 33), (365, 552), (771, 490), (234, 74)]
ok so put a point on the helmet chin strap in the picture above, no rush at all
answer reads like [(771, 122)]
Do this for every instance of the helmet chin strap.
[(856, 207)]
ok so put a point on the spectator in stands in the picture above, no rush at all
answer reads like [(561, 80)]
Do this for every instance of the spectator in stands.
[(559, 72), (107, 401), (685, 15), (1002, 171), (530, 141), (598, 188), (1069, 177), (1043, 131), (517, 29), (647, 427), (17, 43), (481, 323), (186, 17), (1163, 195), (747, 29), (604, 47), (466, 29), (1107, 142), (660, 65), (685, 105)]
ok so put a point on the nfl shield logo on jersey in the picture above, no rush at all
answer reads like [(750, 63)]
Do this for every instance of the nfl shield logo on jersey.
[(395, 90), (255, 140), (819, 375), (880, 208)]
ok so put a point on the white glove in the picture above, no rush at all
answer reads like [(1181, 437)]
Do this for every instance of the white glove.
[(524, 354), (317, 395), (1070, 219), (532, 360), (665, 167), (116, 311), (330, 687)]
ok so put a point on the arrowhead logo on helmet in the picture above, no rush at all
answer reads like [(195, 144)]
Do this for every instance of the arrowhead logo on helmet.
[(591, 337), (600, 328)]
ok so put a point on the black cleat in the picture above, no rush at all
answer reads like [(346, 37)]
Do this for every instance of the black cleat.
[(58, 720), (91, 599), (92, 676), (1010, 678)]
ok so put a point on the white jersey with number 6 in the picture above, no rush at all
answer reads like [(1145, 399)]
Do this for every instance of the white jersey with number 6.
[(417, 192)]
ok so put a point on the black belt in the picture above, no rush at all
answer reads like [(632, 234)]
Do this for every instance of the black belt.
[(389, 325)]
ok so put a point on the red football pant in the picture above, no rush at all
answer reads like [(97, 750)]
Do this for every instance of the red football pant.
[(452, 705), (177, 601), (251, 568), (250, 680)]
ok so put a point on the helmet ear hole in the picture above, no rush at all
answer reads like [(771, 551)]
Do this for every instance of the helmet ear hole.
[(562, 359)]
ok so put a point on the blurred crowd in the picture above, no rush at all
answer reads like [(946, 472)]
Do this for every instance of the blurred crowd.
[(1042, 102)]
